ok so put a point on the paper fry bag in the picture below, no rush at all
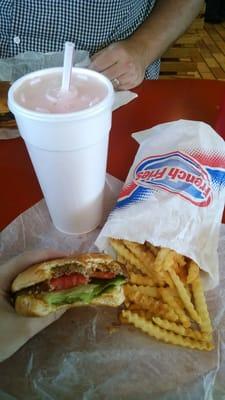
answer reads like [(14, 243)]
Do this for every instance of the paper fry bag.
[(174, 194)]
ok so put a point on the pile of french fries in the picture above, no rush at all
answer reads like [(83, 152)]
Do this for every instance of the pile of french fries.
[(164, 295)]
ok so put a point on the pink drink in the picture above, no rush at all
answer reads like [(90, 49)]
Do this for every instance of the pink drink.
[(66, 135), (43, 94)]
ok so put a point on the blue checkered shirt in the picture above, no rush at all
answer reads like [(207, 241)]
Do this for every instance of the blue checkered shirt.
[(45, 25)]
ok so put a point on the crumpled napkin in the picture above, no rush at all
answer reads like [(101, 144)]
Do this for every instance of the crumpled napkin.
[(122, 98)]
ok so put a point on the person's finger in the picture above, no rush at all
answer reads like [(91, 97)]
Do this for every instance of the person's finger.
[(127, 81), (104, 59), (127, 86), (115, 71), (122, 67), (95, 55), (12, 267), (117, 81)]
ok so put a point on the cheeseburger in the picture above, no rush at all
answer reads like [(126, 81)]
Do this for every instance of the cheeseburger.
[(92, 278)]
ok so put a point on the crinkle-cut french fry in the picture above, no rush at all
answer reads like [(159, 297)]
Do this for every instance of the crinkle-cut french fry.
[(124, 252), (181, 271), (140, 251), (185, 297), (151, 311), (170, 326), (167, 258), (175, 303), (163, 260), (188, 290), (154, 250), (199, 335), (150, 291), (136, 307), (180, 329), (139, 279), (193, 271), (162, 334), (170, 291), (146, 259), (166, 278), (146, 262), (156, 307), (123, 319), (121, 260), (201, 306), (180, 259), (130, 269), (143, 313)]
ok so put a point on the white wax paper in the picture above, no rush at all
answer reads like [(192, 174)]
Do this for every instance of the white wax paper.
[(81, 357), (13, 68), (78, 358)]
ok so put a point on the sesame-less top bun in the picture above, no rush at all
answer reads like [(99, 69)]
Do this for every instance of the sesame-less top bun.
[(82, 263)]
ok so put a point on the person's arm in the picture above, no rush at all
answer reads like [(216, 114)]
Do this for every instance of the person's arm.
[(127, 60)]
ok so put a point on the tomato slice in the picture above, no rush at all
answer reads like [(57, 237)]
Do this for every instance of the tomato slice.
[(103, 275), (68, 281)]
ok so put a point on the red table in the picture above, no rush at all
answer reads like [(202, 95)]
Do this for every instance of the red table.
[(157, 102)]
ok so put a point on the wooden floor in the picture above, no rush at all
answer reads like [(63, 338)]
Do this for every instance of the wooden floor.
[(199, 53)]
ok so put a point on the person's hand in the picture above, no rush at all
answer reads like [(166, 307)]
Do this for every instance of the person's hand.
[(16, 329), (122, 62)]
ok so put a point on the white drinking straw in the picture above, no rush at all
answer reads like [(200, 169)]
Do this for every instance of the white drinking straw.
[(67, 66)]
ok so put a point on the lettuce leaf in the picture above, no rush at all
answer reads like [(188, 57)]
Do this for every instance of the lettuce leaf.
[(82, 293)]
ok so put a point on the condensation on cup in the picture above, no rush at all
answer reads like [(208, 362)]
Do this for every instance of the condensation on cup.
[(66, 135)]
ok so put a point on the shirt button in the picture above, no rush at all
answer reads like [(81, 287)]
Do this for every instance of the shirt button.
[(16, 40)]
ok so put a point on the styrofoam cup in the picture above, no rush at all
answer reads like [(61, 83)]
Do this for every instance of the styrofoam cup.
[(69, 155)]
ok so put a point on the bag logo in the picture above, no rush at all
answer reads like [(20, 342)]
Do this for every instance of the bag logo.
[(174, 172)]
